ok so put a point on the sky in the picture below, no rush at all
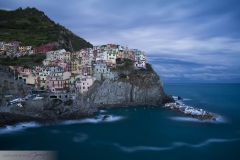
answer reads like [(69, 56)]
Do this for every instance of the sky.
[(186, 41)]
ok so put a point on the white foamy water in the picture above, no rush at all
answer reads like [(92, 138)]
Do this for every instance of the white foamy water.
[(102, 111), (18, 127), (26, 125), (183, 99), (219, 119), (98, 119), (173, 146), (187, 99), (113, 118)]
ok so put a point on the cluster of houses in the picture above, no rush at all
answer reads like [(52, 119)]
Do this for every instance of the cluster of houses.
[(15, 49), (66, 72)]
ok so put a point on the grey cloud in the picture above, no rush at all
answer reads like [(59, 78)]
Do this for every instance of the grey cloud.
[(192, 37)]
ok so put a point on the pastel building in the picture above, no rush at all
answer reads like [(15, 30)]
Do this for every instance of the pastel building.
[(11, 48), (58, 83), (83, 83), (85, 60), (140, 59), (120, 54), (129, 55), (111, 58), (56, 70), (40, 80), (58, 55), (86, 70), (25, 50), (26, 75), (101, 57), (102, 71)]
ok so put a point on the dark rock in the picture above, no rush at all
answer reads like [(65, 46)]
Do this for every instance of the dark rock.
[(179, 98), (105, 117), (137, 88)]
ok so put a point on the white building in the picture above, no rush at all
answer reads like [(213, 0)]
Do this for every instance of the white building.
[(102, 57), (58, 55), (140, 59)]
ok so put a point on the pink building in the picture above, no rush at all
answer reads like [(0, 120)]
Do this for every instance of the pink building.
[(84, 83), (57, 84)]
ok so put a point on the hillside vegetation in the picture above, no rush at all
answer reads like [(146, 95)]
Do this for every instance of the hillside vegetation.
[(28, 61), (32, 27)]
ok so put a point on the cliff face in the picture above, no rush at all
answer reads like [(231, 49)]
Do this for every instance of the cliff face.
[(138, 87), (9, 86), (131, 87)]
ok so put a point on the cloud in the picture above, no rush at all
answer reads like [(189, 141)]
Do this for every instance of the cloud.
[(173, 70), (185, 40)]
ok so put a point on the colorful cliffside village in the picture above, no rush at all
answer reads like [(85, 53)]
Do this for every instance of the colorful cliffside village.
[(63, 73), (14, 49)]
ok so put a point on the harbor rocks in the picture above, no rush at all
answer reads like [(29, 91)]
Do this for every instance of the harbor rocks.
[(44, 111), (191, 111)]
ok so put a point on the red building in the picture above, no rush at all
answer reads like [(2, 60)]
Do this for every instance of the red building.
[(46, 48)]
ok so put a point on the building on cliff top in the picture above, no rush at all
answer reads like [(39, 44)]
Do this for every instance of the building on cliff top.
[(83, 83)]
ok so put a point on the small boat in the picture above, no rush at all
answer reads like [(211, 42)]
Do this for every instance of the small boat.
[(17, 100)]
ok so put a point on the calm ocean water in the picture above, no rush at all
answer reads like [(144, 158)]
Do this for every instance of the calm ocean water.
[(142, 133)]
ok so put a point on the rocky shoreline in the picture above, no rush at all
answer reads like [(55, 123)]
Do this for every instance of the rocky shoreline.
[(178, 106), (137, 88), (55, 113), (43, 111)]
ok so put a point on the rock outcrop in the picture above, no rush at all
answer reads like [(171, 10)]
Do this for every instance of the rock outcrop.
[(45, 111), (133, 87)]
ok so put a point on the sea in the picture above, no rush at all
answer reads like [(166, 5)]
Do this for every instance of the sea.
[(142, 133)]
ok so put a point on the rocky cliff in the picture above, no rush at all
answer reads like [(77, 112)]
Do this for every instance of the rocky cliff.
[(132, 87)]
